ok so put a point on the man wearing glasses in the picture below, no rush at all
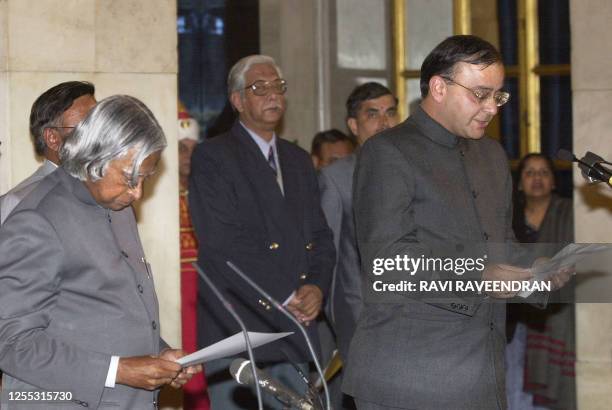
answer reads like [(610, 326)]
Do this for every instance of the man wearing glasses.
[(254, 200), (53, 116), (432, 184)]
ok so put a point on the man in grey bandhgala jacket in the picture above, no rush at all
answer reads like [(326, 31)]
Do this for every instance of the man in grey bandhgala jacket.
[(371, 108), (435, 183), (78, 310)]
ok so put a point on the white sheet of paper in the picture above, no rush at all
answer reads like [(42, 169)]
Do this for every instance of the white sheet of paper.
[(566, 257), (229, 347)]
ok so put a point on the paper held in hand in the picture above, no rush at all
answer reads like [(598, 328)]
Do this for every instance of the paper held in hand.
[(229, 347), (566, 257)]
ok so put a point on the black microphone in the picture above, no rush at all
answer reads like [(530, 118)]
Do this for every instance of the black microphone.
[(242, 371), (590, 165)]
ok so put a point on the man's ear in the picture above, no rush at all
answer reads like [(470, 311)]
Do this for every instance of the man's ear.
[(352, 125), (437, 88), (53, 139), (236, 101)]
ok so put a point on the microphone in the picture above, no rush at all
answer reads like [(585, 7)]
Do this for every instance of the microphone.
[(242, 371), (590, 165), (284, 311), (228, 306)]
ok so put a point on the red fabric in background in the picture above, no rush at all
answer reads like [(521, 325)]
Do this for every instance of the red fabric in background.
[(195, 396)]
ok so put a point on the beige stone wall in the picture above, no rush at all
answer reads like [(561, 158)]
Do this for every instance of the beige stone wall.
[(123, 47), (287, 33), (592, 91)]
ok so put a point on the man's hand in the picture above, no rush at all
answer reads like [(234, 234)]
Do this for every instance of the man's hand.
[(506, 273), (146, 372), (306, 303), (186, 373), (561, 277)]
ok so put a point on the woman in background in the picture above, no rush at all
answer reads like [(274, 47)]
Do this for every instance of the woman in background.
[(541, 353)]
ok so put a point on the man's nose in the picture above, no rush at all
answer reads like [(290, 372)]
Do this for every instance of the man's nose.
[(490, 106), (383, 122), (136, 192)]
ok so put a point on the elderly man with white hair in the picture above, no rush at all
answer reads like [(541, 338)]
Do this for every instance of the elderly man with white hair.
[(254, 200), (79, 320)]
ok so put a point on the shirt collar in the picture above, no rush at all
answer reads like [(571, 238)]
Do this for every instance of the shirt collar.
[(263, 145), (49, 164), (434, 130)]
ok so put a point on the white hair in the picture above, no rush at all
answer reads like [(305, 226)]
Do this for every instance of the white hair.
[(235, 78), (114, 126)]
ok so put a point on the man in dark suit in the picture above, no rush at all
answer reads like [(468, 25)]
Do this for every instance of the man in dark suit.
[(254, 200), (429, 186)]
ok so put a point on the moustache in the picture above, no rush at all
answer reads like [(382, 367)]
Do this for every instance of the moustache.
[(273, 107)]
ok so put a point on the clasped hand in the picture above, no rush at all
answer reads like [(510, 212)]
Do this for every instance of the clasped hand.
[(306, 303)]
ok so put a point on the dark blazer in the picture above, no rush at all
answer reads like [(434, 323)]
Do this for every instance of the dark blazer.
[(419, 189), (281, 242), (74, 291)]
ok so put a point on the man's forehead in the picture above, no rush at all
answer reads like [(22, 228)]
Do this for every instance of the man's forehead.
[(384, 102), (80, 107), (479, 72), (261, 70), (148, 165)]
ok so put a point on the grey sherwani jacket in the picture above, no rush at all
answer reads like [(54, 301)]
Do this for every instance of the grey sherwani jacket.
[(74, 290), (419, 188), (12, 198), (344, 304)]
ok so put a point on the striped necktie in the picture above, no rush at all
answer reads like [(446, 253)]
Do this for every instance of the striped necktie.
[(271, 161)]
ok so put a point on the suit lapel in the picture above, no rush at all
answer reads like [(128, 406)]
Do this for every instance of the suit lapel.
[(261, 177), (291, 182)]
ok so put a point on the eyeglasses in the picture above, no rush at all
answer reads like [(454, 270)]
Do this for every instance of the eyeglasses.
[(71, 128), (482, 95), (262, 88)]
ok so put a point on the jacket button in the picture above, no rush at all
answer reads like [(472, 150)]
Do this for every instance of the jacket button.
[(474, 194), (264, 304), (140, 289), (303, 276), (154, 325), (486, 236), (309, 246), (274, 246), (124, 254)]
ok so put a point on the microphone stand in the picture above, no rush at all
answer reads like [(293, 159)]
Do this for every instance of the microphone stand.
[(230, 309), (312, 390), (284, 311)]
